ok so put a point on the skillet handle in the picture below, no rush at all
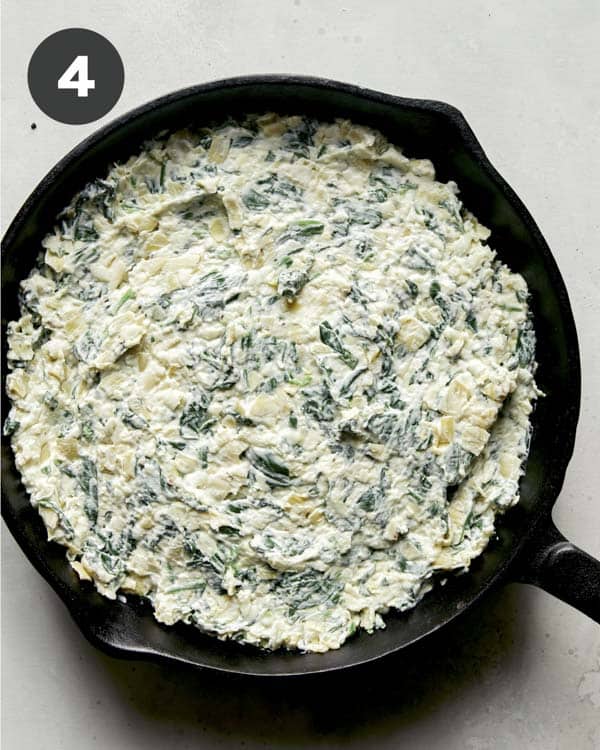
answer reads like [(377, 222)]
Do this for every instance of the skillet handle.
[(555, 565)]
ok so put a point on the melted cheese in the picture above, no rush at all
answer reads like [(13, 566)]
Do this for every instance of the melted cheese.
[(271, 376)]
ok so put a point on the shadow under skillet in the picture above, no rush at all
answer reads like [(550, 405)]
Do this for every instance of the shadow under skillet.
[(383, 699)]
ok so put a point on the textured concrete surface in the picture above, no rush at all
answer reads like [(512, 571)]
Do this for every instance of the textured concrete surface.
[(522, 669)]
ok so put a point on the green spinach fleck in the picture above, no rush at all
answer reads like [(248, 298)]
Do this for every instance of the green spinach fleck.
[(331, 338)]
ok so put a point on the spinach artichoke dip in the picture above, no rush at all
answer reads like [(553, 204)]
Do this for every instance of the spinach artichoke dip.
[(270, 376)]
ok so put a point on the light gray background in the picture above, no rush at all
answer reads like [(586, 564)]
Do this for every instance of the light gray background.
[(522, 670)]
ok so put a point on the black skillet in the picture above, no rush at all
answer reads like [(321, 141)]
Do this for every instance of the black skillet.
[(527, 548)]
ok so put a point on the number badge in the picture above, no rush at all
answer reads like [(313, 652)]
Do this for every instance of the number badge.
[(76, 76)]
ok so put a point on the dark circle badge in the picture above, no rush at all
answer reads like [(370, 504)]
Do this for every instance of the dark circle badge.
[(76, 76)]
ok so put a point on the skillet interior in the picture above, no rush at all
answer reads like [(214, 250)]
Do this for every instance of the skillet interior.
[(423, 129)]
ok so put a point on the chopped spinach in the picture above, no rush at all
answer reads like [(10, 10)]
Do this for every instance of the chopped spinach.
[(306, 590), (133, 420), (254, 200), (525, 345), (268, 464), (194, 419), (291, 283), (10, 426), (331, 338), (87, 479), (319, 404), (471, 321)]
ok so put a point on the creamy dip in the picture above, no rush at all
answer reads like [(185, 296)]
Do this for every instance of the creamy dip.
[(270, 376)]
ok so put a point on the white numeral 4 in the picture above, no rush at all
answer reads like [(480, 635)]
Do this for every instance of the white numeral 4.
[(76, 77)]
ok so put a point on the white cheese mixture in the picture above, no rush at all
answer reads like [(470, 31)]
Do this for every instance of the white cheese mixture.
[(270, 376)]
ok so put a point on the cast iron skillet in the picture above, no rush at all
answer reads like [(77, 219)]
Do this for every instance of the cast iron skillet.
[(528, 547)]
